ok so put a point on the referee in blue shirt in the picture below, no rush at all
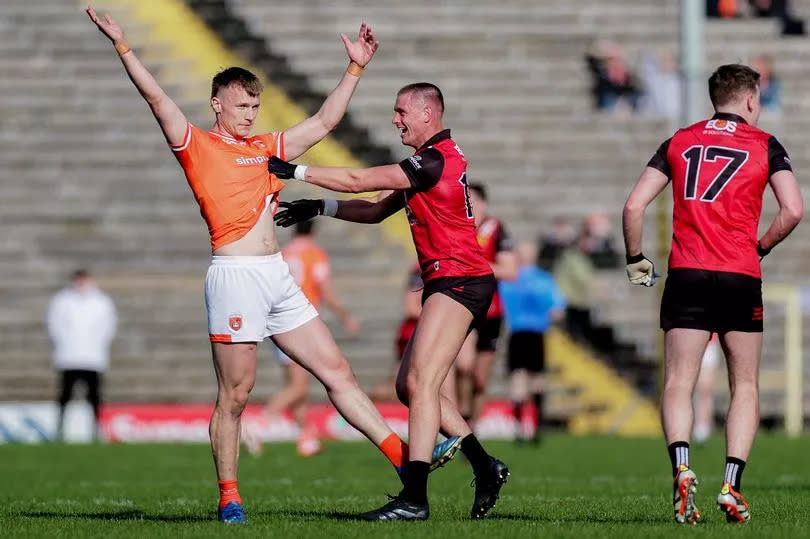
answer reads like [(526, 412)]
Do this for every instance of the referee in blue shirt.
[(532, 302)]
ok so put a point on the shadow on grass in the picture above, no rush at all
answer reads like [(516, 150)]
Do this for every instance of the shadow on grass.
[(131, 514)]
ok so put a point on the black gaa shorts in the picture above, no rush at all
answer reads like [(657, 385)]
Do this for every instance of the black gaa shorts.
[(475, 293), (713, 301)]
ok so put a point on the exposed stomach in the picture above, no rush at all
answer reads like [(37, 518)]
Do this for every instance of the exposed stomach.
[(258, 241)]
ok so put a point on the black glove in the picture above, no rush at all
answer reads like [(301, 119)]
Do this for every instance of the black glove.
[(298, 211), (761, 251), (281, 169)]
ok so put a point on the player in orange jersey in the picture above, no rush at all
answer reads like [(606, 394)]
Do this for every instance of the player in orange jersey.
[(249, 292), (309, 265)]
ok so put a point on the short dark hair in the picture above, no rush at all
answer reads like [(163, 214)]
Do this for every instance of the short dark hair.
[(729, 81), (236, 75), (304, 228), (80, 273), (479, 189), (427, 91)]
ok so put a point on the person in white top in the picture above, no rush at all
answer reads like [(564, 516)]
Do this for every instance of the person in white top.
[(81, 325)]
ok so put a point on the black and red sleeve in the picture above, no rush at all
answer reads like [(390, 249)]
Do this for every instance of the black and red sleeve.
[(777, 157), (503, 241), (424, 169), (659, 159)]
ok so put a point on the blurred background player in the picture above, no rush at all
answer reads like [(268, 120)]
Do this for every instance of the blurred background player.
[(412, 307), (309, 265), (477, 356), (704, 391), (718, 169), (532, 303), (81, 324)]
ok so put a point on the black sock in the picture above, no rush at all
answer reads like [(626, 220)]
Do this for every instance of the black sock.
[(479, 459), (415, 488), (678, 454), (538, 406), (734, 471), (516, 409)]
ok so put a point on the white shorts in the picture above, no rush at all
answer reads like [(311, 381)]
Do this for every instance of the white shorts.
[(250, 298)]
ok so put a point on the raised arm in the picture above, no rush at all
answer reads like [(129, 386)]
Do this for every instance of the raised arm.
[(791, 210), (168, 114), (306, 134)]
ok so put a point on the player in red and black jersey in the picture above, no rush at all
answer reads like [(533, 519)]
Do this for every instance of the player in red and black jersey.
[(718, 169), (432, 187), (477, 356)]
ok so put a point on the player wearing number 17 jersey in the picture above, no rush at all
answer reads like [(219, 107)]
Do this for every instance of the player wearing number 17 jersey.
[(718, 169), (432, 187)]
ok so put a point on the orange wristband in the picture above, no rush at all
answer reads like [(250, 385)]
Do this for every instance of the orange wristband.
[(355, 69), (122, 47)]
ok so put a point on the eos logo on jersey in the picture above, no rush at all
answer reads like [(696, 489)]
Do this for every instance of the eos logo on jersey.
[(722, 125), (252, 160)]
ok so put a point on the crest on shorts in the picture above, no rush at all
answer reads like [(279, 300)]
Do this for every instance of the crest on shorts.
[(235, 322)]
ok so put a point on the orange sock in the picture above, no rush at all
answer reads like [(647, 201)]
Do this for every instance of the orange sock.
[(395, 449), (228, 492)]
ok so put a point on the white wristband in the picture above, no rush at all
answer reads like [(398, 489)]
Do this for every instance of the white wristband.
[(330, 207), (300, 170)]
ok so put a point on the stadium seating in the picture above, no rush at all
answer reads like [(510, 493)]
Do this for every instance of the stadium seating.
[(87, 181)]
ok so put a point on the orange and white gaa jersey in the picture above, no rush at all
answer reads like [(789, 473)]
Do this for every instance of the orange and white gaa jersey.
[(229, 179)]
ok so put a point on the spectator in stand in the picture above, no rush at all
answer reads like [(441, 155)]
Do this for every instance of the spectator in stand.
[(600, 241), (613, 82), (552, 245), (662, 85), (770, 87), (778, 9), (81, 324), (574, 273)]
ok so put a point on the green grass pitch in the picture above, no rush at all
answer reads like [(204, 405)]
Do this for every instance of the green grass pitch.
[(567, 487)]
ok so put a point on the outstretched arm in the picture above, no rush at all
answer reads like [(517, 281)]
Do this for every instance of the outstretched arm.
[(306, 134), (168, 114), (357, 210), (342, 179)]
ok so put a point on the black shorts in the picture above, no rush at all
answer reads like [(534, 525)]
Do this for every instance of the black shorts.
[(489, 330), (475, 293), (527, 350), (713, 301)]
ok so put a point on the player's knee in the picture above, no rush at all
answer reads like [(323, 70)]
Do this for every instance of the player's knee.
[(745, 388), (235, 400), (338, 376)]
